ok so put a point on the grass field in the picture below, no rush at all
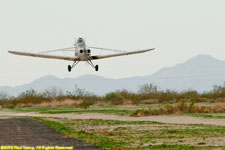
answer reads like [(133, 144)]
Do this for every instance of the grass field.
[(125, 135), (106, 109), (208, 115)]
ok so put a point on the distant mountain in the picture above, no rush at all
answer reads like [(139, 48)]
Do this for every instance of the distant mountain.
[(198, 73)]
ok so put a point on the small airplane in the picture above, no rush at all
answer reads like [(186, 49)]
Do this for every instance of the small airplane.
[(82, 53)]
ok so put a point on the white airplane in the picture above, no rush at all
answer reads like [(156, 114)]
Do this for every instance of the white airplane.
[(82, 53)]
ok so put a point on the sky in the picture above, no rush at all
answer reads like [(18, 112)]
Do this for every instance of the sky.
[(178, 30)]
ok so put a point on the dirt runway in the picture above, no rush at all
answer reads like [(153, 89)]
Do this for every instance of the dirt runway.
[(29, 132), (164, 118)]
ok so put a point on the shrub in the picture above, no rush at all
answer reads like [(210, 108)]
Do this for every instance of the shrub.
[(8, 106), (168, 97), (52, 93), (218, 108), (115, 98), (146, 112), (4, 96), (86, 104), (148, 88), (78, 92), (117, 101), (181, 108), (136, 99)]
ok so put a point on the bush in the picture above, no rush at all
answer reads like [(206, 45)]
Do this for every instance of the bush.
[(181, 108), (136, 99), (86, 104), (117, 101), (147, 89), (147, 94), (188, 96), (115, 98), (8, 106), (167, 97), (125, 94), (52, 93), (78, 92), (4, 96)]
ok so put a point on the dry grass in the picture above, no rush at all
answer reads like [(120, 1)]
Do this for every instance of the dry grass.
[(219, 107), (54, 103), (181, 108)]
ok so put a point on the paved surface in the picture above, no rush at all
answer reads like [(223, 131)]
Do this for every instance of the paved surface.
[(28, 132)]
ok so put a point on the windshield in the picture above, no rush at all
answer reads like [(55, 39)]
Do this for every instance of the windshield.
[(80, 45)]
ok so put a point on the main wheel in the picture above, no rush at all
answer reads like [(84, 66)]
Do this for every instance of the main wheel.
[(96, 68), (69, 68)]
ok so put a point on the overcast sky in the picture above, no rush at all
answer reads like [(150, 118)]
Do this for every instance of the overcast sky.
[(178, 30)]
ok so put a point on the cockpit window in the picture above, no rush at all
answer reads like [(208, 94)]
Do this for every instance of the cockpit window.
[(80, 45)]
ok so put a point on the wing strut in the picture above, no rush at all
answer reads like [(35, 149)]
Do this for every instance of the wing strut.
[(106, 49)]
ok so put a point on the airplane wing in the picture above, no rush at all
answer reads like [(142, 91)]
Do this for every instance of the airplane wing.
[(120, 54), (44, 56)]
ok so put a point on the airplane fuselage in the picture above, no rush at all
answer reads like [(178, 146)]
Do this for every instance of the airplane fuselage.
[(81, 50)]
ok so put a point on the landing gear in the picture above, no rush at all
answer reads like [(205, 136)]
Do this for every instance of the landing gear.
[(96, 68), (90, 63), (76, 62), (71, 67)]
